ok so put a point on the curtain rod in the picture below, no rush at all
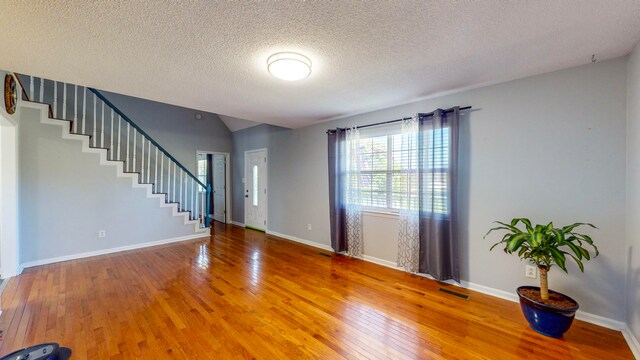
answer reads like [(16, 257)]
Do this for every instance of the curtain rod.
[(420, 115)]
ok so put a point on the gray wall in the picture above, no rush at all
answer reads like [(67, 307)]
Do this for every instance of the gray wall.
[(275, 140), (548, 147), (633, 192), (175, 128), (66, 196)]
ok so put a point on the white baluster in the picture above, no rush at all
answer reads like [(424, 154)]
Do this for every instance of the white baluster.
[(41, 89), (148, 161), (168, 180), (195, 207), (155, 169), (95, 119), (174, 182), (55, 99), (186, 191), (102, 126), (31, 88), (181, 200), (64, 101), (111, 137), (193, 203), (127, 158), (84, 109), (161, 171), (142, 138), (135, 131), (119, 126), (75, 108)]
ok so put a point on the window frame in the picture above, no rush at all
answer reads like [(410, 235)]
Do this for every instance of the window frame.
[(389, 172)]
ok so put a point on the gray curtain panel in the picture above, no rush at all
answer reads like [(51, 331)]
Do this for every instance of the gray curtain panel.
[(337, 206), (438, 195)]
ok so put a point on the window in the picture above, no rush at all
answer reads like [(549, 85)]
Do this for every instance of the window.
[(254, 194), (202, 172), (388, 169)]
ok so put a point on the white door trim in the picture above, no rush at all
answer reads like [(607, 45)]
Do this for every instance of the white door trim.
[(266, 184), (9, 218), (227, 180)]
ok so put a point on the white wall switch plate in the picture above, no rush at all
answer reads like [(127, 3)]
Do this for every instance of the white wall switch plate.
[(102, 233), (309, 227)]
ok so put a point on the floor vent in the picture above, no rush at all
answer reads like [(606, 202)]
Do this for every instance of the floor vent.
[(454, 293), (323, 254)]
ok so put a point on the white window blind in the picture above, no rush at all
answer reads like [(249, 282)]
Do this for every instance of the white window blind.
[(385, 164)]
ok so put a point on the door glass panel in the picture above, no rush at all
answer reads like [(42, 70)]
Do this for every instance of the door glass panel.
[(255, 185)]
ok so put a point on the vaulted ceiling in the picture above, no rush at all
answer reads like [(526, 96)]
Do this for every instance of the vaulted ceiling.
[(367, 55)]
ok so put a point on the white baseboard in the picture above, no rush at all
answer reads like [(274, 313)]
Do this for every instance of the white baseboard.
[(375, 260), (109, 251), (302, 241), (633, 342), (236, 223)]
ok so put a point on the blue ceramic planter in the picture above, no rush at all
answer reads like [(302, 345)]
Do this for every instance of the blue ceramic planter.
[(547, 320)]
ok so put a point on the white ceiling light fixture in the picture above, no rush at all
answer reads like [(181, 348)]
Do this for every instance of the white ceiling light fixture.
[(289, 66)]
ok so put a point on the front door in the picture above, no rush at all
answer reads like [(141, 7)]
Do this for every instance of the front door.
[(255, 195)]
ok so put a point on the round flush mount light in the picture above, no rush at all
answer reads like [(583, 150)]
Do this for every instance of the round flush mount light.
[(289, 66)]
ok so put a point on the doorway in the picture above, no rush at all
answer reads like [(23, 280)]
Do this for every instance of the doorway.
[(255, 195), (213, 168), (8, 198)]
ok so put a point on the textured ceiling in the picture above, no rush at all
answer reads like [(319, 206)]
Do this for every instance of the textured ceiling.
[(367, 55)]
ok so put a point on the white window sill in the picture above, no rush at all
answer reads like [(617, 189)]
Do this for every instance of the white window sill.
[(381, 214)]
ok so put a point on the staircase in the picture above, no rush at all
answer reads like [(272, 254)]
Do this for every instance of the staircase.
[(88, 116)]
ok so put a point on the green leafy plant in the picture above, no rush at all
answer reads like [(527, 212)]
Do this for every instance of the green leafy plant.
[(545, 246)]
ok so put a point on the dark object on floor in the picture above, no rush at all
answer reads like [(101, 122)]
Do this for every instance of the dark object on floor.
[(546, 319), (46, 351), (454, 293)]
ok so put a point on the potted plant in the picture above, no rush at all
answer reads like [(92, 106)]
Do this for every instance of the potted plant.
[(548, 312)]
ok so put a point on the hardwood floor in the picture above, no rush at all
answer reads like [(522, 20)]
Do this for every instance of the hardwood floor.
[(243, 294)]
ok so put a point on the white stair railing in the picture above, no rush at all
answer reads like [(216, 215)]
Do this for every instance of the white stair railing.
[(87, 118)]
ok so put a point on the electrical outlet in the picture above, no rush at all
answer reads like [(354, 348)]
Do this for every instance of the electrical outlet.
[(531, 272), (102, 233), (309, 227)]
